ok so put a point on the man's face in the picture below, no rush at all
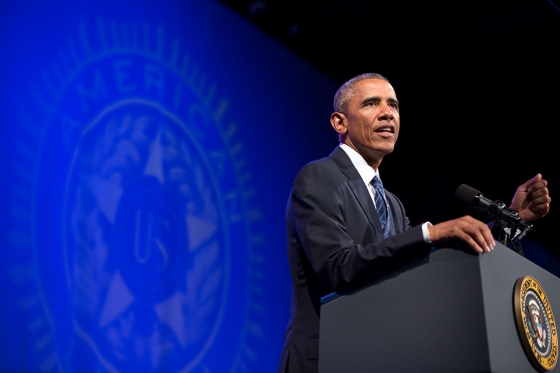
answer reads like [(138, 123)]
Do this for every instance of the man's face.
[(372, 120)]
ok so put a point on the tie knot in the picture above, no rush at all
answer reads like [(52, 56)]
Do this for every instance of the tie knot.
[(376, 182)]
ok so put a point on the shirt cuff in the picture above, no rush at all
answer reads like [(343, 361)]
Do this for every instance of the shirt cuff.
[(425, 232)]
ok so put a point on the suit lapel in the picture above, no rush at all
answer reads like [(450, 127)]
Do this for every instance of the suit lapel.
[(357, 186)]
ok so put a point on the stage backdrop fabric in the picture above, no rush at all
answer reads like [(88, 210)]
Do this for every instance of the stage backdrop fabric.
[(147, 150)]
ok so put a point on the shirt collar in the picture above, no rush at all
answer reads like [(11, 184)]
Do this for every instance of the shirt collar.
[(365, 170)]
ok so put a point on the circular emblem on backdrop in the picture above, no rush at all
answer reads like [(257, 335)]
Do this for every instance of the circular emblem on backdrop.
[(535, 323), (141, 198)]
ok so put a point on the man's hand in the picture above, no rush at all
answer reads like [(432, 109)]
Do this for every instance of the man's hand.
[(473, 232), (531, 199)]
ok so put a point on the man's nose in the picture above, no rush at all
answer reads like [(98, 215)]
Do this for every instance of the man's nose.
[(386, 111)]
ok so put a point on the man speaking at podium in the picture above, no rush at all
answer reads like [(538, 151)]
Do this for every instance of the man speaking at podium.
[(344, 228)]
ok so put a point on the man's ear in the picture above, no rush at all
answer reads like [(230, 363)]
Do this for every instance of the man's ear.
[(338, 122)]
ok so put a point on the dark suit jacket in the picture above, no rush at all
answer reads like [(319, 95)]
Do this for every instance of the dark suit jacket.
[(334, 243)]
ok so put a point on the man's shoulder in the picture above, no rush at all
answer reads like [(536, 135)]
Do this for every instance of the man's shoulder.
[(319, 173), (321, 162), (321, 165), (330, 161)]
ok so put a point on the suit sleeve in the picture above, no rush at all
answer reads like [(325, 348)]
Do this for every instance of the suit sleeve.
[(335, 235)]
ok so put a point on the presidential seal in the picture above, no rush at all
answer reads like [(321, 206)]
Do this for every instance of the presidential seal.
[(535, 323)]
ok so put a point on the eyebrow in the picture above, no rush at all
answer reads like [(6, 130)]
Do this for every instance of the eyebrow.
[(377, 98)]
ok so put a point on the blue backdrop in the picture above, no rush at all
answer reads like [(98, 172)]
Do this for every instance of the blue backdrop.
[(147, 158)]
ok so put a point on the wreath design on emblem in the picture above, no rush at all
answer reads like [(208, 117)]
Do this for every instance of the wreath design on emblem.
[(142, 216), (152, 196)]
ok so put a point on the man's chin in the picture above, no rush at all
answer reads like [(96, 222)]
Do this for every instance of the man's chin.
[(384, 150)]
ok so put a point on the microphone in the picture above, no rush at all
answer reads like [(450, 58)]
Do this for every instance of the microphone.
[(493, 209)]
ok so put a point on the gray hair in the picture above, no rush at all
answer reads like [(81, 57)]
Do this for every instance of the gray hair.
[(346, 91)]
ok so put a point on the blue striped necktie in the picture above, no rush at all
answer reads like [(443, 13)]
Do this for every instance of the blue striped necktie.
[(381, 206)]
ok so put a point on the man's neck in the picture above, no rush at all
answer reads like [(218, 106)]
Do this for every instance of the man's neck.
[(373, 160)]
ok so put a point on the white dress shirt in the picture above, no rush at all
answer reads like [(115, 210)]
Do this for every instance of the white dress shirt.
[(367, 173)]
